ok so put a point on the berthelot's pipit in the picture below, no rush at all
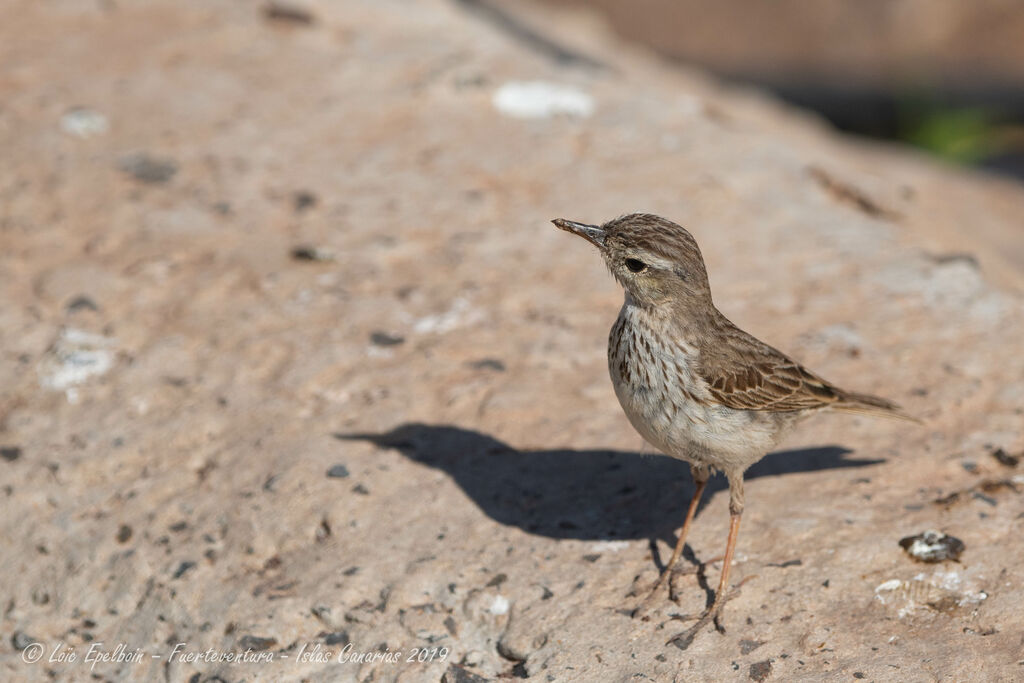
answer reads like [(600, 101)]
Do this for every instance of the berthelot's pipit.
[(694, 385)]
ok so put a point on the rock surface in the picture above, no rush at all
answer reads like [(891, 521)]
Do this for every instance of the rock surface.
[(406, 439)]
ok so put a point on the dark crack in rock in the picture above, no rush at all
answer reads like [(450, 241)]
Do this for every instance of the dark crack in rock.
[(249, 642), (303, 200), (182, 569), (147, 168), (81, 303), (488, 364), (1005, 458), (287, 13), (379, 338), (309, 252)]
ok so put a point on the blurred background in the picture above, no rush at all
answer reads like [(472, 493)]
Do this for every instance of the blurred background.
[(946, 76)]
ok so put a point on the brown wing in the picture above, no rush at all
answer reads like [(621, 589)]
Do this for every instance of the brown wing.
[(744, 373)]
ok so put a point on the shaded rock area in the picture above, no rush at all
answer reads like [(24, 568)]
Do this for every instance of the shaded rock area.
[(338, 404)]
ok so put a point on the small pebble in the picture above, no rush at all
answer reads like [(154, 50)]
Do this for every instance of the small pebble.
[(19, 640), (336, 638), (459, 674), (10, 453), (338, 472), (932, 546), (759, 671)]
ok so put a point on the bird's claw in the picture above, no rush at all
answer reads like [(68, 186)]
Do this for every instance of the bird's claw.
[(712, 615), (668, 576)]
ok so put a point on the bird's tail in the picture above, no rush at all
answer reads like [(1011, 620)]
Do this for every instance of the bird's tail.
[(866, 404)]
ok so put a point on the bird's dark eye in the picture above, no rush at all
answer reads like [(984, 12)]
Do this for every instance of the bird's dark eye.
[(635, 266)]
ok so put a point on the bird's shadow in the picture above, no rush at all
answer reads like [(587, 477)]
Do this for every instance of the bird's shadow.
[(586, 495)]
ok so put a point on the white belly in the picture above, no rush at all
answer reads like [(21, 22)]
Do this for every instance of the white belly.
[(670, 406)]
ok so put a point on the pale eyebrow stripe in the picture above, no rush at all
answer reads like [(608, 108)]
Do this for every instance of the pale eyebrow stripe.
[(651, 259)]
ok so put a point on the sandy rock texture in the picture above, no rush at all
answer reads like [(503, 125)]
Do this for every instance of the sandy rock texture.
[(294, 365)]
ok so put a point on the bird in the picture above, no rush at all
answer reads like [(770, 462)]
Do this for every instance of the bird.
[(693, 384)]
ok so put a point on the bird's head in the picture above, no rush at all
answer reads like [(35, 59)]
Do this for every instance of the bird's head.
[(655, 260)]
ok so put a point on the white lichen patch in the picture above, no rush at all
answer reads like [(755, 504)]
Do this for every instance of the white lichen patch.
[(841, 336), (608, 546), (942, 591), (74, 358), (459, 314), (952, 284), (499, 605), (541, 100), (922, 548), (84, 123)]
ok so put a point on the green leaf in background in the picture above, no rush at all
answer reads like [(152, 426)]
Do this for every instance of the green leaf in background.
[(961, 135)]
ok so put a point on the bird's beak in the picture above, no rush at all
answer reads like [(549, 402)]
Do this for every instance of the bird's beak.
[(592, 233)]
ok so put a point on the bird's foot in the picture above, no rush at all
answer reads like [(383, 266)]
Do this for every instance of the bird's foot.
[(667, 577), (712, 614)]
